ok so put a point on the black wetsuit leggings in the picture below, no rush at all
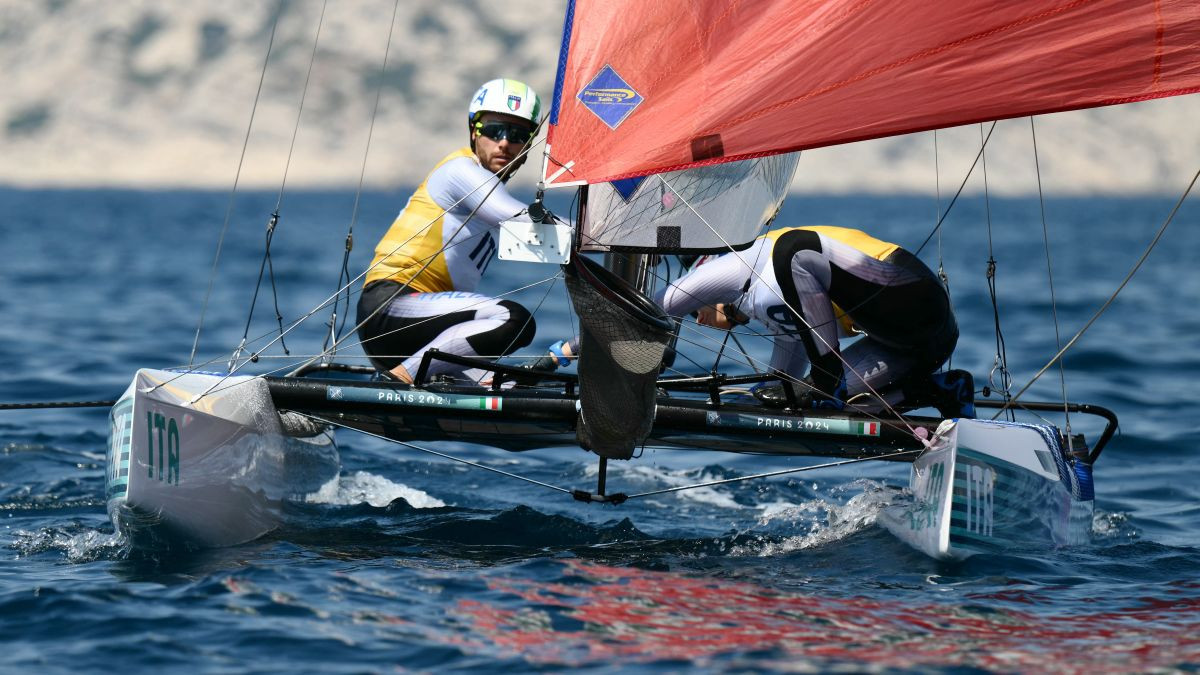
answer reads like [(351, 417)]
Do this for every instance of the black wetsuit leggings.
[(909, 313), (398, 327)]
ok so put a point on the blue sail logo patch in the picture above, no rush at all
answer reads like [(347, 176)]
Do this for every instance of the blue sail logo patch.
[(609, 97)]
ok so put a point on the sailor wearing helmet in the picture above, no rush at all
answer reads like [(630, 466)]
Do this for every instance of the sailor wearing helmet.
[(419, 292)]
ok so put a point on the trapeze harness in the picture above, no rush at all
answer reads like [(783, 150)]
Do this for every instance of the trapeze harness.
[(841, 282), (419, 291)]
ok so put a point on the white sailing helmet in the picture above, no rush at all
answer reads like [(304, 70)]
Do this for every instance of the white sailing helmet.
[(511, 97)]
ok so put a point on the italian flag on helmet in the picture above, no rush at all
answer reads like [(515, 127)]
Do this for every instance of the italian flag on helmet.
[(511, 97)]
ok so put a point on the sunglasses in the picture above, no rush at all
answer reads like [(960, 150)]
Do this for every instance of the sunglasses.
[(498, 131)]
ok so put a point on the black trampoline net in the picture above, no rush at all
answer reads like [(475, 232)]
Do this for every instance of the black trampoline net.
[(622, 338)]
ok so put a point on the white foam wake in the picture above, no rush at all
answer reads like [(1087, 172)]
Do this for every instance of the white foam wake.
[(825, 521), (362, 487), (711, 495)]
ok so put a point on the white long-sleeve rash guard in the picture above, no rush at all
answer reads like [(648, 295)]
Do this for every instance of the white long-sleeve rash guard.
[(722, 280), (482, 193)]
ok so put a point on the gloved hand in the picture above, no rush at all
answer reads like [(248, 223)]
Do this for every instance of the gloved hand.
[(561, 359), (546, 363)]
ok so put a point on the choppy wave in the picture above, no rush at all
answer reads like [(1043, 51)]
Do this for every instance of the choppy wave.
[(427, 565)]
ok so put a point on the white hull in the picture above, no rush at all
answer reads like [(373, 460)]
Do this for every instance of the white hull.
[(992, 486), (203, 468), (203, 460)]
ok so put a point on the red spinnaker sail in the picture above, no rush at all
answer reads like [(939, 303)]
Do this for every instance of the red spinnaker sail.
[(645, 87)]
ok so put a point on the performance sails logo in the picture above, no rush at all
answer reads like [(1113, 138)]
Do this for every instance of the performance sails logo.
[(609, 97)]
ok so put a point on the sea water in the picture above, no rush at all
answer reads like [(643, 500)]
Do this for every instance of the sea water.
[(411, 562)]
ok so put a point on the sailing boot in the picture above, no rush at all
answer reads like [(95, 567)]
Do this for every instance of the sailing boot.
[(952, 392), (834, 400), (829, 382)]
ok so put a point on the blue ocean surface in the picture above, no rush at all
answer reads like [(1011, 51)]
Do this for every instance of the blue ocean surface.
[(414, 563)]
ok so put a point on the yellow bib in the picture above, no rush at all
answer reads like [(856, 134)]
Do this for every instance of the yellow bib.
[(414, 241), (876, 248)]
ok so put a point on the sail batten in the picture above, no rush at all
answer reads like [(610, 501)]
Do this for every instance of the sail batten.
[(651, 87)]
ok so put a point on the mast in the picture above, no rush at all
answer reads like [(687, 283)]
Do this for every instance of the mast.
[(631, 267)]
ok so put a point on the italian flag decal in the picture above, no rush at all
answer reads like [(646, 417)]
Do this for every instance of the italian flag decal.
[(868, 428), (489, 403)]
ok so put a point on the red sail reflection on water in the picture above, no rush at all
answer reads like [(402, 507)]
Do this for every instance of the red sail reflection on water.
[(621, 615)]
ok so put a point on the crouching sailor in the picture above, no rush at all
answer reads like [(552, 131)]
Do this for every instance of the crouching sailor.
[(810, 286), (420, 288)]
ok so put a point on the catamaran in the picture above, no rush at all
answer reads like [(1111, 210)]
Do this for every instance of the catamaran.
[(677, 122)]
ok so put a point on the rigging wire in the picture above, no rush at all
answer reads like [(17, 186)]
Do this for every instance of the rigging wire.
[(234, 368), (273, 223), (1062, 371), (742, 349), (1145, 254), (264, 265), (443, 455), (781, 472), (433, 256), (300, 108), (553, 282), (236, 178), (334, 332), (325, 303), (941, 269), (721, 351), (1000, 363), (783, 376), (709, 341), (292, 365), (954, 199), (937, 192), (616, 498)]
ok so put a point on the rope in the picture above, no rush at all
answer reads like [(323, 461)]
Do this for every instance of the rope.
[(57, 404)]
